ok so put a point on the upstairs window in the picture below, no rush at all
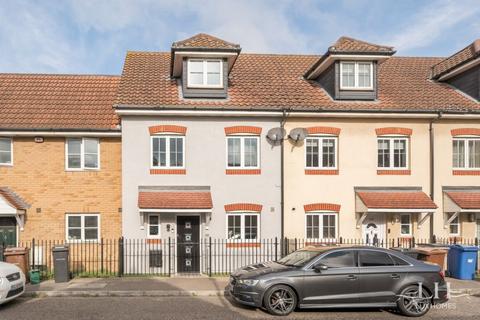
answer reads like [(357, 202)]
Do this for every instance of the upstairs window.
[(168, 151), (466, 153), (321, 152), (243, 152), (6, 151), (83, 154), (205, 73), (392, 153), (356, 75)]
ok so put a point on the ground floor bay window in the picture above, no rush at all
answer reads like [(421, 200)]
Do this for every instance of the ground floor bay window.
[(321, 226)]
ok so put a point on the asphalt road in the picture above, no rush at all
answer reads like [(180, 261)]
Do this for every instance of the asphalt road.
[(198, 308)]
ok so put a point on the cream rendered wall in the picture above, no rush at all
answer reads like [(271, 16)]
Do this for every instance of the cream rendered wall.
[(357, 164), (444, 174)]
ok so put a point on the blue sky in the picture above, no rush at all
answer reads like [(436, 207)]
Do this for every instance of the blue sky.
[(92, 36)]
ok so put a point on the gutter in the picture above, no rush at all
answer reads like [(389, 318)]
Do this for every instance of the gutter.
[(60, 133), (432, 166)]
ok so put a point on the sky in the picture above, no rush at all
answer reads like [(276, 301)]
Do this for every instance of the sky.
[(92, 36)]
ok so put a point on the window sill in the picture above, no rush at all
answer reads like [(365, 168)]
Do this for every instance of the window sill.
[(243, 171), (243, 245), (82, 170), (321, 171), (474, 172), (6, 165), (168, 171), (401, 172)]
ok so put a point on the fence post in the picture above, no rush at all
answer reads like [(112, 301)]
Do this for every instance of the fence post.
[(210, 256), (276, 248), (341, 240), (120, 257), (434, 239), (413, 242), (33, 255), (169, 257), (101, 255), (476, 242)]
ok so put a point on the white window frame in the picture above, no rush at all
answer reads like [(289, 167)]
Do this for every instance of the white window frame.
[(205, 74), (410, 225), (392, 152), (9, 164), (356, 75), (82, 227), (82, 155), (320, 215), (466, 155), (150, 236), (320, 152), (167, 151), (242, 151), (242, 215), (458, 224)]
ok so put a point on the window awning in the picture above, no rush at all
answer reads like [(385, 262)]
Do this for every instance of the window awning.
[(394, 201), (175, 199), (466, 200)]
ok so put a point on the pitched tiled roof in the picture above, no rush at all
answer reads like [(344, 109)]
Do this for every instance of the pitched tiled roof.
[(204, 41), (14, 199), (396, 200), (465, 199), (174, 200), (36, 101), (469, 53), (273, 82), (350, 45)]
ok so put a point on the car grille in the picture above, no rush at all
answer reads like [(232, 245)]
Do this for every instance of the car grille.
[(14, 292), (13, 277)]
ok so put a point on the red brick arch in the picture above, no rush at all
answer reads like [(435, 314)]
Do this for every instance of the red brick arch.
[(394, 130), (322, 207), (243, 129), (465, 132), (243, 207), (324, 130), (167, 128)]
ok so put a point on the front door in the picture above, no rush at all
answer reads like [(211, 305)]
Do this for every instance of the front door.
[(337, 284), (374, 229), (188, 244), (8, 231)]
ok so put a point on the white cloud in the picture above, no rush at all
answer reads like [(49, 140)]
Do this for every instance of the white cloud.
[(432, 21)]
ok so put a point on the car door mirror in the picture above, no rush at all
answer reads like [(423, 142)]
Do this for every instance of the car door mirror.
[(320, 267)]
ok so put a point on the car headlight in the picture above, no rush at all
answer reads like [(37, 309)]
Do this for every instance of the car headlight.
[(248, 282), (1, 281)]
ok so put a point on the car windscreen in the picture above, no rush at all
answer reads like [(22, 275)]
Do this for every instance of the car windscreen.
[(299, 258)]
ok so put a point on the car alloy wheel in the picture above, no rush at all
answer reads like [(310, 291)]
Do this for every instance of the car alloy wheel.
[(414, 301), (280, 300)]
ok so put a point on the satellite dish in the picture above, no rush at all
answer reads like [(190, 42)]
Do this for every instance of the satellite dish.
[(298, 134), (276, 134)]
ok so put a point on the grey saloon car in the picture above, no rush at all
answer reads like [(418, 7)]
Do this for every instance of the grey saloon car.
[(340, 277)]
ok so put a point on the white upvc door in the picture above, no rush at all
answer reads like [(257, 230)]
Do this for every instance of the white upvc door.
[(373, 229)]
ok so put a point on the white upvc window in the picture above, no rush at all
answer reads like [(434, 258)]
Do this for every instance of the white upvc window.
[(82, 154), (82, 227), (454, 226), (153, 226), (168, 151), (6, 151), (321, 152), (356, 75), (321, 225), (243, 226), (205, 73), (405, 224), (243, 152), (392, 153), (466, 153)]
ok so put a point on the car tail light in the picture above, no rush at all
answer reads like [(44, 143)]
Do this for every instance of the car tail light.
[(442, 274)]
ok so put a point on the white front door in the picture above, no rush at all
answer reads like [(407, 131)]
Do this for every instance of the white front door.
[(374, 229)]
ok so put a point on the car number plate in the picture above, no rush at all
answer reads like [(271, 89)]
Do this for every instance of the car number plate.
[(16, 286)]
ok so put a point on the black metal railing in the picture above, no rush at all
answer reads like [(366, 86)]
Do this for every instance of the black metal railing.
[(164, 257)]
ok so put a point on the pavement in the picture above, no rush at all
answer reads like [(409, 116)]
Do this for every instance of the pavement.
[(169, 287)]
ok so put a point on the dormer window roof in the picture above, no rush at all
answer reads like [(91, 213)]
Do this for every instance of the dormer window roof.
[(464, 59), (205, 41), (346, 48)]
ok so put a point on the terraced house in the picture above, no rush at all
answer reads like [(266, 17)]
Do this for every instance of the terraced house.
[(355, 143), (60, 160)]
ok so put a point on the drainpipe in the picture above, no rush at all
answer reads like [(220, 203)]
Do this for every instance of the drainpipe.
[(282, 179), (432, 167)]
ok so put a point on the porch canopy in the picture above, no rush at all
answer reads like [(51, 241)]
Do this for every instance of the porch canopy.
[(12, 205), (392, 200), (461, 199), (175, 199)]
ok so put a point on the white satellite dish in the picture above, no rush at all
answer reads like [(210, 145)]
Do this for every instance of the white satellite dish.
[(276, 134), (298, 134)]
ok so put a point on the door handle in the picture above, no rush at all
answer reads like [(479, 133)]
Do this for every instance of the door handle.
[(395, 276), (352, 277)]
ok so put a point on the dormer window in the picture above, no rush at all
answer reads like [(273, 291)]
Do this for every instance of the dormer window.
[(205, 73), (356, 75)]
